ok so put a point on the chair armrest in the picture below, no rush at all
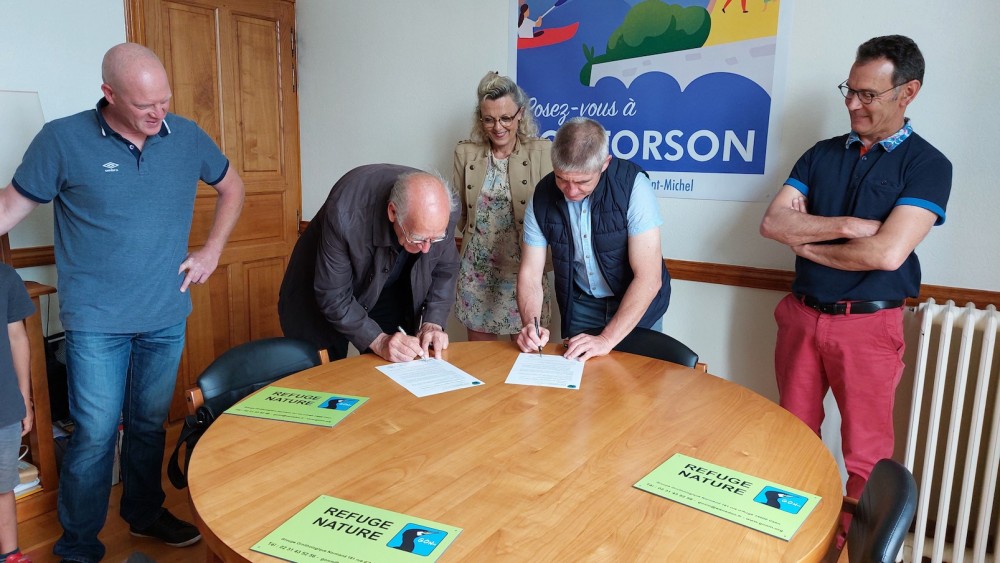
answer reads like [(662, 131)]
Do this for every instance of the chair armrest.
[(194, 399), (849, 505)]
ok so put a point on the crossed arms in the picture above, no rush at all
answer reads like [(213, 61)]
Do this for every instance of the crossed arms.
[(871, 245)]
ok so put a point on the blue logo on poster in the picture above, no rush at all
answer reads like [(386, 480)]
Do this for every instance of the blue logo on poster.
[(338, 403), (782, 500), (418, 540)]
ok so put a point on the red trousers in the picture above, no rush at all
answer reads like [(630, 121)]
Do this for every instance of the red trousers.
[(859, 357)]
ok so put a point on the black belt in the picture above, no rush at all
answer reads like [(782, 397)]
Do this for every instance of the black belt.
[(848, 307)]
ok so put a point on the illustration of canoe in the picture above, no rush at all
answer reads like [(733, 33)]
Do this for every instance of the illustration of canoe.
[(549, 36)]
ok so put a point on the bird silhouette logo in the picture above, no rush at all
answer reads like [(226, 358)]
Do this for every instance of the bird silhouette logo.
[(416, 539), (772, 498), (338, 403), (782, 500)]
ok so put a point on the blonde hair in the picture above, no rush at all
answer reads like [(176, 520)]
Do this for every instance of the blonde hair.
[(493, 87)]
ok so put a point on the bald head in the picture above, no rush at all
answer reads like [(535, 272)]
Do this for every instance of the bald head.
[(124, 62), (137, 91), (421, 191), (420, 204)]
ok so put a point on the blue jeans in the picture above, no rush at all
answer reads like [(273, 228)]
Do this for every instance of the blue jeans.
[(596, 312), (131, 375)]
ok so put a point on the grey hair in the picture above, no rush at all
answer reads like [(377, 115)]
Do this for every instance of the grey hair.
[(399, 196), (493, 87), (581, 145)]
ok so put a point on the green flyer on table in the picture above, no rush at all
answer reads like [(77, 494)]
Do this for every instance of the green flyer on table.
[(768, 507), (333, 530), (319, 408)]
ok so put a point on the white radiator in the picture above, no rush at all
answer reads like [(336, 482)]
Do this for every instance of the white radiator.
[(951, 430)]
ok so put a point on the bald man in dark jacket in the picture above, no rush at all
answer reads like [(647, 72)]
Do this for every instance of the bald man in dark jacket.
[(378, 256)]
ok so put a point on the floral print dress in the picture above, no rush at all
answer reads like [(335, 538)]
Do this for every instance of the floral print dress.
[(487, 276)]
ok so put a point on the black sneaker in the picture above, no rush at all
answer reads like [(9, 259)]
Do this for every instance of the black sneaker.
[(170, 530)]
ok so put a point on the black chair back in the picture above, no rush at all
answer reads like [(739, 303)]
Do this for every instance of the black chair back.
[(883, 515), (654, 344), (248, 367)]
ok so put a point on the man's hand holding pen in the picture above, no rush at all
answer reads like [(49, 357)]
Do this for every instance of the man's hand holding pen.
[(532, 337), (400, 347)]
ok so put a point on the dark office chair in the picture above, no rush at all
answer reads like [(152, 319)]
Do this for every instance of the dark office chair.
[(243, 369), (238, 372), (654, 344), (883, 514)]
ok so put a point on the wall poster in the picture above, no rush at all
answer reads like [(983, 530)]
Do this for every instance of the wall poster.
[(684, 87)]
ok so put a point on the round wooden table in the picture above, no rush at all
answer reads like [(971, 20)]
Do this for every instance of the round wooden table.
[(529, 473)]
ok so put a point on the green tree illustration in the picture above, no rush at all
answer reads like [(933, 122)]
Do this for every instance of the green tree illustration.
[(651, 27)]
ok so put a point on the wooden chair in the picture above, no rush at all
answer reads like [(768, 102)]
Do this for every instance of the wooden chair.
[(882, 516), (655, 344), (243, 369), (5, 255)]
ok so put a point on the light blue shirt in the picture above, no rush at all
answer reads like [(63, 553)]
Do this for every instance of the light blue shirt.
[(643, 214)]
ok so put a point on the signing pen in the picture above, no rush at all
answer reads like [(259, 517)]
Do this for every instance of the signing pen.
[(538, 333)]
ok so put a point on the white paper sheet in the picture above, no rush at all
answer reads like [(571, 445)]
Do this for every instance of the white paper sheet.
[(429, 376), (547, 370)]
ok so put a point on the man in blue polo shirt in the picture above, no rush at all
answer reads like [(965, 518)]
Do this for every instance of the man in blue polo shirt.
[(600, 216), (853, 210), (122, 179)]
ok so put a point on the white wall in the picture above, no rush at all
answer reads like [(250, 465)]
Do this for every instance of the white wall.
[(390, 81), (54, 48)]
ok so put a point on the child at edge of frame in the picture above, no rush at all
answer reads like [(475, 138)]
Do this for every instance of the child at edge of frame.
[(16, 413)]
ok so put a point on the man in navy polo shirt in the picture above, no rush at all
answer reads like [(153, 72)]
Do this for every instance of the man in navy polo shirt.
[(853, 210), (122, 179)]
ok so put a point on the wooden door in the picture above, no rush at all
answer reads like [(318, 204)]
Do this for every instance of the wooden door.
[(231, 69)]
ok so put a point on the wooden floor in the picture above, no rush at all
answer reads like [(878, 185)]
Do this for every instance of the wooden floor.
[(37, 536)]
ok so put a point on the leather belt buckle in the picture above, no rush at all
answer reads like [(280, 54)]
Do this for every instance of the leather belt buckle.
[(848, 307), (832, 308)]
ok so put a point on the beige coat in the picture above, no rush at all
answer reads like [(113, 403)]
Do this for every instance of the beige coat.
[(527, 164)]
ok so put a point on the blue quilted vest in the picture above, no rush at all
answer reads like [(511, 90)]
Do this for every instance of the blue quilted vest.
[(609, 229)]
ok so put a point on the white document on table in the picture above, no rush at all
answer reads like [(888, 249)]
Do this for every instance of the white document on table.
[(546, 370), (428, 376)]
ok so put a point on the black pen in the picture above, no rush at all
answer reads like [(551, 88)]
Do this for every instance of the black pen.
[(538, 333)]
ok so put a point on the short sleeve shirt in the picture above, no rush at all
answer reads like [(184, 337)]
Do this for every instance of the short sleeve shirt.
[(643, 214), (15, 305), (838, 180), (122, 217)]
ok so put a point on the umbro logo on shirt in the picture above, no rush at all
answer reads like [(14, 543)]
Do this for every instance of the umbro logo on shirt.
[(110, 166)]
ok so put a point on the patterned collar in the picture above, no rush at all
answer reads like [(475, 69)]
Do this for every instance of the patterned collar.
[(889, 142)]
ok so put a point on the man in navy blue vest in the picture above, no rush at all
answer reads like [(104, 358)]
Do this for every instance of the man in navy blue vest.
[(600, 217)]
